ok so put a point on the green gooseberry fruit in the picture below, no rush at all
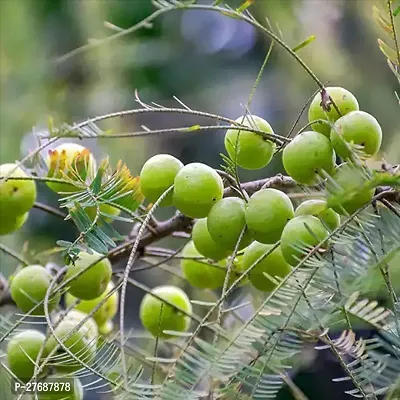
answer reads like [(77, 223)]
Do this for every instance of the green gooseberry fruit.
[(28, 288), (226, 221), (11, 223), (356, 128), (104, 208), (75, 394), (197, 187), (157, 175), (199, 273), (16, 196), (205, 244), (82, 343), (250, 150), (158, 316), (22, 352), (347, 190), (273, 264), (344, 100), (319, 208), (107, 311), (299, 235), (106, 328), (267, 213), (93, 282), (64, 159), (307, 156)]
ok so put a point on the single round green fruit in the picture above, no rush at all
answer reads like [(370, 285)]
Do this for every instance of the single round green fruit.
[(226, 221), (356, 128), (344, 100), (106, 328), (319, 208), (347, 191), (22, 352), (204, 242), (267, 213), (93, 282), (307, 155), (157, 316), (54, 394), (16, 196), (82, 343), (197, 187), (300, 234), (157, 175), (28, 288), (67, 157), (273, 264), (199, 273), (11, 223), (104, 208), (250, 150), (106, 312)]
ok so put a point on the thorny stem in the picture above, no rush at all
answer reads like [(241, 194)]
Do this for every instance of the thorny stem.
[(389, 5), (126, 277)]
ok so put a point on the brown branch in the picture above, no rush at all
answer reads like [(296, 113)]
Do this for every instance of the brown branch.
[(278, 181)]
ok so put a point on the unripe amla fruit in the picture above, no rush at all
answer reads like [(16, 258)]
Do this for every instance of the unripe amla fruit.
[(319, 209), (16, 196), (307, 156), (205, 244), (273, 264), (249, 149), (344, 100), (82, 343), (300, 235), (28, 289), (104, 208), (106, 328), (11, 223), (93, 282), (348, 189), (157, 175), (197, 187), (356, 128), (22, 352), (199, 273), (69, 159), (106, 311), (158, 316), (267, 213), (226, 221), (75, 394)]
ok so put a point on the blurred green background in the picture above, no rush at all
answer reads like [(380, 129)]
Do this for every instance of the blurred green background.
[(207, 60)]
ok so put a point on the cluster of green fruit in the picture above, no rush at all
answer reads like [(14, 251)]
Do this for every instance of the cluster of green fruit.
[(24, 348), (268, 217), (311, 155), (28, 288), (30, 284)]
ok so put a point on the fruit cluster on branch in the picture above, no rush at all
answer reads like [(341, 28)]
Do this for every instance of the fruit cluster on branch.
[(256, 231)]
